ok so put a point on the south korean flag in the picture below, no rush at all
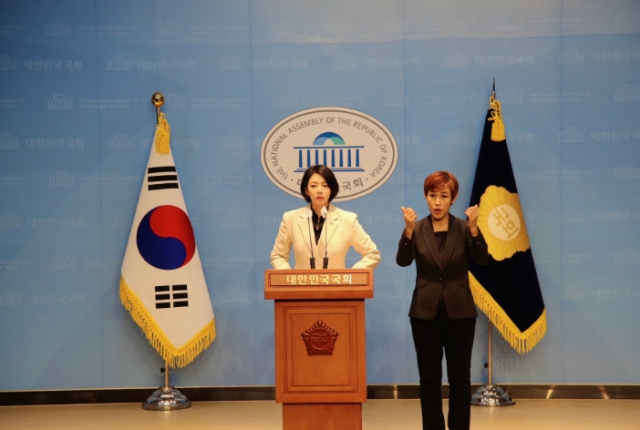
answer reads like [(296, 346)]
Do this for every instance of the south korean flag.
[(163, 285)]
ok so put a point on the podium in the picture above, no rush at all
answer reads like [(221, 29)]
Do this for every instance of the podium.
[(321, 377)]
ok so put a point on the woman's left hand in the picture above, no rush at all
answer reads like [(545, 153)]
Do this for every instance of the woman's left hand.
[(472, 219)]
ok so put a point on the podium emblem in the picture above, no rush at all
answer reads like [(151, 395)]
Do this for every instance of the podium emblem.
[(319, 339)]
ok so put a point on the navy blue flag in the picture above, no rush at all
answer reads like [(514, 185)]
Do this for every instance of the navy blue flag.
[(507, 288)]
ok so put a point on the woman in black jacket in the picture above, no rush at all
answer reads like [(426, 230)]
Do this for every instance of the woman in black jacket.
[(442, 312)]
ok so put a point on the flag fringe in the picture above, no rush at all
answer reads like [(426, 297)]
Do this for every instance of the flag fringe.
[(175, 357), (497, 128), (162, 137), (520, 341)]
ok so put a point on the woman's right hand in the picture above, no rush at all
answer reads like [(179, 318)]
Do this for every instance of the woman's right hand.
[(410, 218)]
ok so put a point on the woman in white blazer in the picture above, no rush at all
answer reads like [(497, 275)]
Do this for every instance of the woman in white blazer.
[(320, 233)]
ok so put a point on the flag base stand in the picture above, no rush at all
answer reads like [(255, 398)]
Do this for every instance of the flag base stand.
[(166, 398), (491, 395)]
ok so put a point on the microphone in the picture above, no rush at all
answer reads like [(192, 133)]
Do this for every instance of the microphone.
[(312, 259), (325, 260)]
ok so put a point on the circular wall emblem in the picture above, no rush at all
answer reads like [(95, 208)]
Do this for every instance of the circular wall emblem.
[(359, 150)]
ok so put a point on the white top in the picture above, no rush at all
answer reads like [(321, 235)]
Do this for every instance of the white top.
[(341, 231)]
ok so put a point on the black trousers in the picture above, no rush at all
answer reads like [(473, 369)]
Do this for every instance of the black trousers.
[(455, 338)]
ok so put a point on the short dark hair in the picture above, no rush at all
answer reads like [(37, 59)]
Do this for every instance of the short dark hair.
[(328, 176), (438, 180)]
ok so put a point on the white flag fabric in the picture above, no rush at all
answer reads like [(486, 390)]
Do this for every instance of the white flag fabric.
[(163, 285)]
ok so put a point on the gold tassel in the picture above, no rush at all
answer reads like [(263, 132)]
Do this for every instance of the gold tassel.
[(520, 341), (175, 357), (163, 135), (497, 128)]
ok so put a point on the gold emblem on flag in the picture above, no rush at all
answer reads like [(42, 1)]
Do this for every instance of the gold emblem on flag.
[(501, 220)]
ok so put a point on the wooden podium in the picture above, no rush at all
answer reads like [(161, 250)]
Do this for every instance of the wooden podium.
[(321, 376)]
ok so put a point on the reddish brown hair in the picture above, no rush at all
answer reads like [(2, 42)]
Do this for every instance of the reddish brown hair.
[(439, 180)]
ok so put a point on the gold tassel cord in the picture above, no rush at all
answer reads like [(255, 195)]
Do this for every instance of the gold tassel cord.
[(175, 357), (497, 128), (162, 137), (520, 341)]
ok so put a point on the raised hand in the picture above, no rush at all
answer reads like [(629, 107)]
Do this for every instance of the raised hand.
[(472, 219), (410, 218)]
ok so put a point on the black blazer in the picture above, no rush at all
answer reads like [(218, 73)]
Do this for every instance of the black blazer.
[(446, 276)]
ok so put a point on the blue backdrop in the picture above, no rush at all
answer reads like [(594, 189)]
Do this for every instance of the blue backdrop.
[(76, 122)]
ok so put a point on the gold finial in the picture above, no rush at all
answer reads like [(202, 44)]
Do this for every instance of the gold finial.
[(157, 99)]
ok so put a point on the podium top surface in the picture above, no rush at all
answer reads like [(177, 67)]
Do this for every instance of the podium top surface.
[(318, 284)]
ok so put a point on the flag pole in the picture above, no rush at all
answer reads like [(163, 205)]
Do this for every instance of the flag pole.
[(491, 395), (165, 398)]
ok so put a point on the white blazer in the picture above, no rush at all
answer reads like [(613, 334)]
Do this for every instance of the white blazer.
[(341, 231)]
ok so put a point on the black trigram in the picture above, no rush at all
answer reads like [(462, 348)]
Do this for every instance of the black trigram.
[(161, 178), (175, 295)]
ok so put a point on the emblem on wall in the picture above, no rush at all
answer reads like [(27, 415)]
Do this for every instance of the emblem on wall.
[(360, 150)]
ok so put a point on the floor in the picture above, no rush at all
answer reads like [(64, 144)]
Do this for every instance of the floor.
[(376, 415)]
